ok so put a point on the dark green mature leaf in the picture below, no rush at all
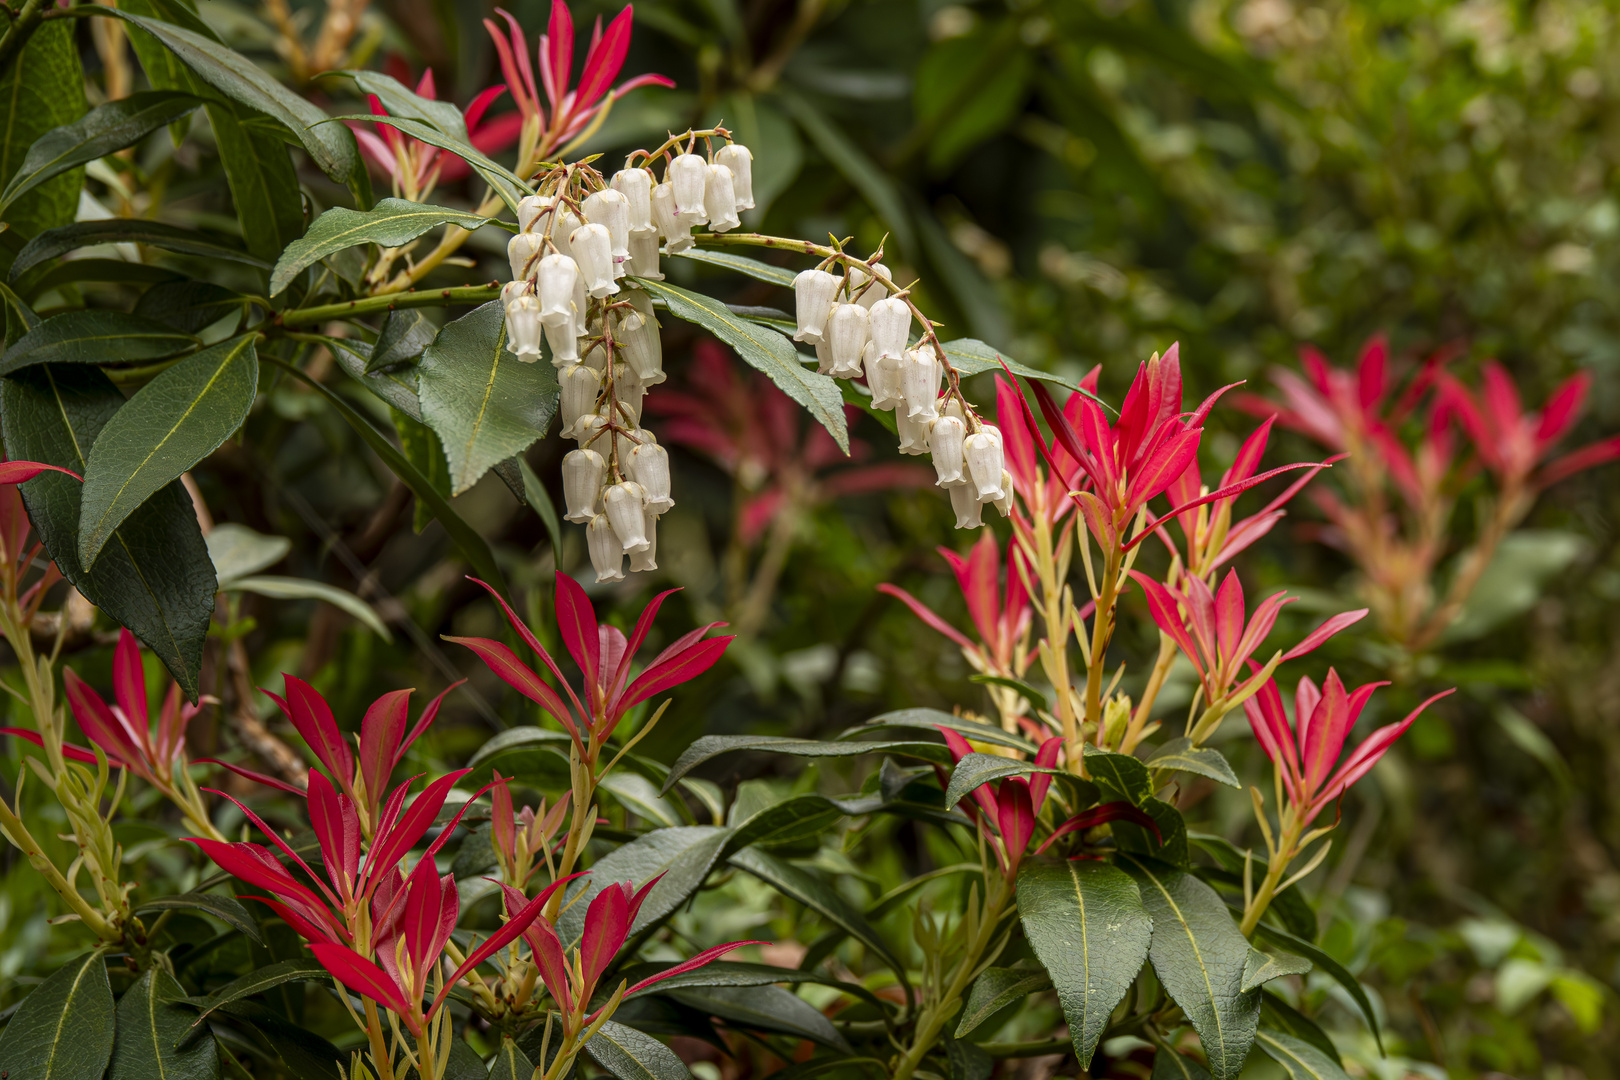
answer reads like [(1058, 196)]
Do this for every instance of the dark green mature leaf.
[(839, 1065), (170, 424), (1169, 1065), (424, 450), (152, 1028), (53, 243), (1171, 843), (1199, 955), (971, 356), (506, 184), (515, 740), (975, 770), (1277, 1015), (330, 146), (967, 1061), (510, 1063), (93, 336), (155, 576), (764, 1008), (307, 1055), (738, 973), (1335, 970), (1087, 924), (1203, 760), (933, 719), (101, 131), (1262, 967), (1120, 775), (633, 1055), (742, 264), (765, 350), (41, 89), (792, 819), (399, 100), (64, 1029), (19, 317), (997, 988), (396, 387), (484, 403), (190, 306), (257, 982), (683, 855), (813, 892), (1299, 1059), (224, 908), (863, 174), (264, 184), (711, 746), (404, 334), (116, 270), (391, 223)]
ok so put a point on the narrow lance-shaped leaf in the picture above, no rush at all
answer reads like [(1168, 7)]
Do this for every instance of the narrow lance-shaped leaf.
[(94, 336), (391, 223), (152, 1040), (64, 1029), (42, 87), (623, 1051), (54, 243)]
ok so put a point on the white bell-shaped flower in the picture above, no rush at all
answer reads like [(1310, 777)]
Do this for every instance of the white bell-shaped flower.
[(945, 442), (629, 390), (720, 200), (813, 292), (523, 251), (523, 328), (607, 553), (644, 256), (1004, 504), (582, 474), (636, 186), (913, 433), (846, 334), (556, 280), (920, 373), (642, 346), (593, 354), (882, 378), (563, 341), (647, 557), (514, 289), (677, 234), (985, 462), (867, 295), (824, 360), (649, 466), (593, 250), (580, 385), (689, 178), (610, 208), (890, 327), (622, 502), (531, 207), (587, 431), (736, 157), (967, 506)]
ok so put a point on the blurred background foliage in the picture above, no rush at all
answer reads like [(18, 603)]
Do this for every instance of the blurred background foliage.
[(1076, 183)]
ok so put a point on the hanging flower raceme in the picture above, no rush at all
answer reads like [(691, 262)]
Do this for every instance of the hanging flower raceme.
[(415, 167), (604, 656), (1513, 443), (1000, 614)]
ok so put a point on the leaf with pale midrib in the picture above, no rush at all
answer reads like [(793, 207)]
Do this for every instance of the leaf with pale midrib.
[(90, 336), (808, 889), (711, 746), (155, 1038), (1299, 1059), (64, 1029), (53, 243), (257, 982), (1202, 760), (101, 131), (683, 855), (391, 222), (41, 88), (632, 1055)]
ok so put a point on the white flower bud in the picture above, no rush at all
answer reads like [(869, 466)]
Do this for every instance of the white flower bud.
[(557, 279), (563, 341), (676, 233), (913, 433), (523, 251), (866, 295), (920, 373), (649, 465), (736, 157), (967, 506), (882, 378), (647, 558), (607, 553), (642, 345), (593, 250), (982, 451), (846, 335), (945, 441), (813, 293), (636, 186), (688, 177), (1004, 504), (593, 355), (953, 407), (622, 503), (644, 256), (530, 207), (890, 327), (580, 385), (611, 209), (582, 474), (523, 328), (720, 200)]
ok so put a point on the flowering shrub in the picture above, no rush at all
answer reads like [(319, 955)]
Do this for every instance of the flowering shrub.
[(378, 913)]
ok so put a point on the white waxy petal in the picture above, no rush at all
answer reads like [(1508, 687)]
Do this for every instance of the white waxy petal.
[(689, 177), (644, 256), (882, 378), (676, 233), (564, 343), (588, 429), (580, 385), (982, 451), (557, 279), (1004, 504), (593, 250), (868, 295), (649, 465), (890, 327), (636, 186), (607, 553), (522, 252), (737, 158), (530, 207), (919, 381), (628, 390), (647, 557), (945, 441), (967, 506), (523, 328), (582, 474), (623, 504), (514, 289), (913, 433), (824, 360), (610, 208), (720, 200), (846, 335), (642, 347), (813, 292)]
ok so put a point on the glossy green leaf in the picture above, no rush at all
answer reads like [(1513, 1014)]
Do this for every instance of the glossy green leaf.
[(741, 264), (155, 576), (975, 770), (102, 131), (1169, 1065), (484, 403), (1334, 970), (305, 1054), (190, 306), (994, 990), (226, 909), (815, 893), (1121, 776), (391, 223), (1087, 924), (1202, 760), (633, 1055), (507, 185), (640, 796), (1199, 955), (397, 387), (712, 746), (153, 1030), (64, 1029), (19, 317), (973, 357), (74, 271), (400, 100), (94, 336), (764, 350), (1171, 842), (683, 855), (1299, 1059), (863, 174), (237, 551), (967, 1061), (170, 424), (263, 182), (512, 740), (404, 334), (738, 973), (54, 243), (291, 588), (1262, 967), (933, 719), (1277, 1015), (510, 1063), (257, 982), (41, 89), (791, 819), (763, 1008)]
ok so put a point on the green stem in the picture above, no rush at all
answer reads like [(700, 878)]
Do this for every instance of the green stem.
[(1274, 873), (411, 298), (21, 28)]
